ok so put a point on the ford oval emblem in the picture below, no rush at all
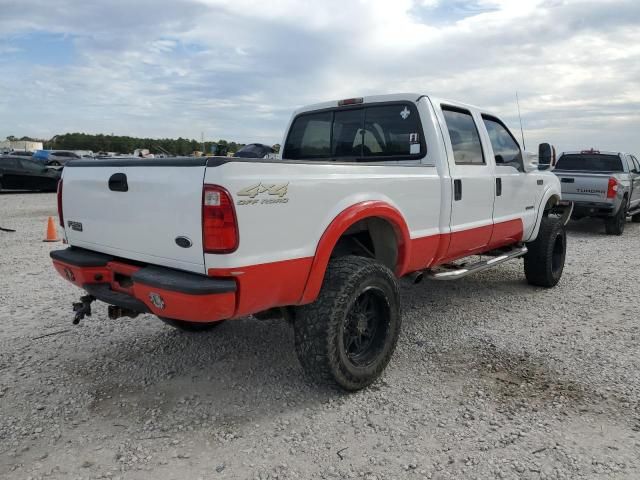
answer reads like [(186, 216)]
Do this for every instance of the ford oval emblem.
[(183, 242)]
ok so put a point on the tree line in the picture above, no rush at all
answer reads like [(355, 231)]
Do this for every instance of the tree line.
[(126, 144)]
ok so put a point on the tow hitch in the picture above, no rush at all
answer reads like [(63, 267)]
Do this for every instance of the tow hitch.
[(82, 308)]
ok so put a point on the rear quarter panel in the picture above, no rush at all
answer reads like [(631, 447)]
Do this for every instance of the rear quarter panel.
[(298, 201)]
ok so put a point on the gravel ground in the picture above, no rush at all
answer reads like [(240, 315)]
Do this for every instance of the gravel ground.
[(491, 379)]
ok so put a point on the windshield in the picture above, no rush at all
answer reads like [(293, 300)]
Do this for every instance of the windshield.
[(590, 162)]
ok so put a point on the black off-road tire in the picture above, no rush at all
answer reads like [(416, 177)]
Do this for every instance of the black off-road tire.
[(326, 330), (191, 326), (615, 225), (544, 262)]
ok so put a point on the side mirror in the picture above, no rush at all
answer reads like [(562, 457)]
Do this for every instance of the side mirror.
[(545, 154)]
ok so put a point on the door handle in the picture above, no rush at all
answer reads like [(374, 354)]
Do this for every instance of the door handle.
[(118, 183), (498, 187), (457, 189)]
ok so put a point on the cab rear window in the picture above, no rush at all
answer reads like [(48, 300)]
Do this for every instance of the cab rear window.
[(590, 162), (369, 133)]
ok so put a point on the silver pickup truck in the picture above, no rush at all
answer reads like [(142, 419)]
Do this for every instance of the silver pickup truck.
[(601, 184)]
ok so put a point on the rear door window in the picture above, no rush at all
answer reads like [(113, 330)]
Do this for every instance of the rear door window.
[(465, 140), (630, 163), (368, 133), (589, 162)]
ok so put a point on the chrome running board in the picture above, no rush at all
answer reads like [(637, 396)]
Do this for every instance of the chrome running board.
[(443, 273)]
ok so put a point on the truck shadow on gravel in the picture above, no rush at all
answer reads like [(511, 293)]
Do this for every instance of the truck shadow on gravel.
[(242, 371)]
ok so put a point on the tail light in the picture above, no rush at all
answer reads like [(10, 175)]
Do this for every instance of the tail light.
[(219, 224), (612, 189), (59, 196)]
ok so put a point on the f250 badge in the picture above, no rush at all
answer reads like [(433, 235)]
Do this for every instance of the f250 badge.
[(272, 190)]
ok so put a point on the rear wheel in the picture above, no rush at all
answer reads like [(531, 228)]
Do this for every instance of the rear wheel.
[(615, 225), (55, 163), (347, 336), (544, 262), (191, 326)]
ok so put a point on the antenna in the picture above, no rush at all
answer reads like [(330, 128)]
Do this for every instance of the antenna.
[(520, 117)]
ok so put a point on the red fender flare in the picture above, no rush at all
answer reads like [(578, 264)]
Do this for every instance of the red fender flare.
[(336, 229)]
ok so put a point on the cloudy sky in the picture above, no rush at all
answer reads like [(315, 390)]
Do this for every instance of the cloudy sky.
[(235, 69)]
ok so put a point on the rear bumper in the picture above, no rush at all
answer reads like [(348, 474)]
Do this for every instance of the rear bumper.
[(148, 289), (594, 209)]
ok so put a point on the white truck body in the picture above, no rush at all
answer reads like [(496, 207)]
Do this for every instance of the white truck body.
[(367, 190)]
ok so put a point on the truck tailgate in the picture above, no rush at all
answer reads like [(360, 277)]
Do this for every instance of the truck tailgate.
[(584, 187), (141, 220)]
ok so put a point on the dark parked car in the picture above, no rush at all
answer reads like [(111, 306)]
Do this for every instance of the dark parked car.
[(23, 173), (254, 150)]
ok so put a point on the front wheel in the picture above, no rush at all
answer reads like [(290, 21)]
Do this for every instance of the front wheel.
[(544, 262), (347, 336), (191, 326), (615, 225)]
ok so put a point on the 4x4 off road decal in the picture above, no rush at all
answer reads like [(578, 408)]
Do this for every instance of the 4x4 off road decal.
[(276, 190)]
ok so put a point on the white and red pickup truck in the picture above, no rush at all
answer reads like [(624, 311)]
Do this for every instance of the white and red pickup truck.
[(368, 190)]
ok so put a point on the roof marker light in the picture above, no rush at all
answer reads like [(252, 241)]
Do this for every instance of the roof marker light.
[(350, 101)]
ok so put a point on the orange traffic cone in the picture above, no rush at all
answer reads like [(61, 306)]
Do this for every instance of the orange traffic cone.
[(52, 231)]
